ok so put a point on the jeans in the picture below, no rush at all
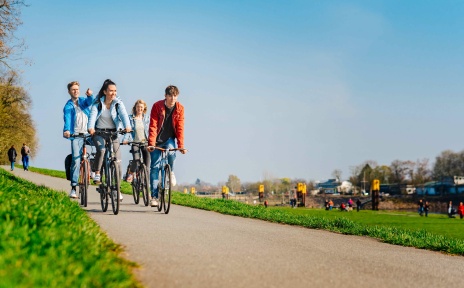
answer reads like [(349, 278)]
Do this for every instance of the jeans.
[(12, 165), (156, 163), (136, 156), (76, 150), (99, 142), (25, 162)]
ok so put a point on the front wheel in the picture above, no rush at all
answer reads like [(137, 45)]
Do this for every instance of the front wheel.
[(84, 183), (160, 189), (143, 184), (114, 187), (167, 189), (103, 190), (135, 188)]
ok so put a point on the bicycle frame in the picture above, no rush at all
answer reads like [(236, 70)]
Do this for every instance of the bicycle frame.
[(84, 169)]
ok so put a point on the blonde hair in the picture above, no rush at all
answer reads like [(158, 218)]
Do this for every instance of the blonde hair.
[(70, 84), (134, 109)]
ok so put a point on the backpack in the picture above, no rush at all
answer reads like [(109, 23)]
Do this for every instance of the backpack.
[(99, 107), (67, 166)]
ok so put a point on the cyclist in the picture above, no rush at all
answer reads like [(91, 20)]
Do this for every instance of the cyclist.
[(76, 115), (106, 114), (166, 124), (139, 121)]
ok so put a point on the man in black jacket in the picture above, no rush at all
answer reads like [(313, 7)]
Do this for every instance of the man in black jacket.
[(12, 156)]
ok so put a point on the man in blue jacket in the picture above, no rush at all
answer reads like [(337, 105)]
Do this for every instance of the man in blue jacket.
[(76, 116)]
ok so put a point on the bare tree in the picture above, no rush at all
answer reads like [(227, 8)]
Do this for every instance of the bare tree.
[(337, 174), (10, 18)]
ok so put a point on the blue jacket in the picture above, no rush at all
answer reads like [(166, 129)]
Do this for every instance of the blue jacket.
[(69, 112), (146, 123), (118, 116)]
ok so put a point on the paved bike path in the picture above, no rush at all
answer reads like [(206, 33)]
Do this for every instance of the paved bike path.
[(196, 248)]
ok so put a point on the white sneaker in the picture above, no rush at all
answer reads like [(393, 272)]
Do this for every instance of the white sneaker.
[(96, 179), (120, 197), (173, 179), (92, 174), (154, 202), (73, 194)]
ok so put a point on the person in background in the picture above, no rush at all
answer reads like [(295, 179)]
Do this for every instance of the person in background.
[(76, 113), (358, 205), (426, 208), (451, 210), (12, 156), (461, 210), (331, 204), (25, 151), (139, 122), (420, 210)]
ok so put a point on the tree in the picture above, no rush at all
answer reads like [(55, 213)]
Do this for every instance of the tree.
[(337, 174), (10, 46), (398, 171), (448, 164), (423, 172), (16, 124), (233, 183)]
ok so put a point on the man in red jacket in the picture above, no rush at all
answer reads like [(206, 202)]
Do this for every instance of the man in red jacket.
[(166, 126)]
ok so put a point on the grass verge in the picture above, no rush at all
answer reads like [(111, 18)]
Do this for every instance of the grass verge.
[(413, 238), (47, 240)]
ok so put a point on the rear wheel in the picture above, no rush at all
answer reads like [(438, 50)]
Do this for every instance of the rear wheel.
[(167, 189), (114, 187), (143, 184), (84, 182), (135, 187), (103, 190), (160, 190)]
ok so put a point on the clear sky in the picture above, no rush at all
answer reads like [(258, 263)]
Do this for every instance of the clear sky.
[(279, 88)]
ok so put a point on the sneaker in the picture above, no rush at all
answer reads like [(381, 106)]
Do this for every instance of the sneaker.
[(73, 194), (173, 179), (129, 178), (92, 174), (96, 179), (120, 197), (154, 202)]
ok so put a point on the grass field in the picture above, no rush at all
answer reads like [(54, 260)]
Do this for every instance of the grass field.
[(47, 240), (436, 232)]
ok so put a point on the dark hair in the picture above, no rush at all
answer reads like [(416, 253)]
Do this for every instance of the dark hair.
[(105, 85), (171, 90)]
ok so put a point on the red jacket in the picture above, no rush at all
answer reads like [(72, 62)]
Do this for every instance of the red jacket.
[(157, 115), (461, 209)]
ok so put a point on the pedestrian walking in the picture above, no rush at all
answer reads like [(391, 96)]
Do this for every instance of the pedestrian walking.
[(12, 156), (25, 151)]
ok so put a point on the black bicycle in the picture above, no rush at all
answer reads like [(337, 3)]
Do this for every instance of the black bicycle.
[(110, 179), (164, 179), (141, 176)]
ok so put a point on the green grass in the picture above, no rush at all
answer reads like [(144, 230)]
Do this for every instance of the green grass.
[(436, 232), (381, 226), (47, 240)]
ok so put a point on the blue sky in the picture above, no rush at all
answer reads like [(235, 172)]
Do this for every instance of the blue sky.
[(271, 88)]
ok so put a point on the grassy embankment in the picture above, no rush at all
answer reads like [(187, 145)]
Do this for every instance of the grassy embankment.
[(436, 232), (46, 240)]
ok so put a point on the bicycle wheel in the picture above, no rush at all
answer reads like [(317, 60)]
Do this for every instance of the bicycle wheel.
[(135, 187), (114, 186), (160, 189), (103, 190), (143, 184), (167, 189), (84, 182)]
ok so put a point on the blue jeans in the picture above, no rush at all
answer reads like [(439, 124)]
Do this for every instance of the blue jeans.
[(12, 165), (25, 162), (76, 150), (156, 164)]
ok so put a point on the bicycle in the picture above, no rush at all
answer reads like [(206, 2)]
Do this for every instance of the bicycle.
[(140, 182), (109, 173), (84, 171), (164, 183)]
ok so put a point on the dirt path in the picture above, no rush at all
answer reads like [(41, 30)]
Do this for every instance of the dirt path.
[(196, 248)]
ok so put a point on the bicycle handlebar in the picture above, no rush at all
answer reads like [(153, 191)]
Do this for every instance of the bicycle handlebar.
[(170, 149), (135, 143)]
